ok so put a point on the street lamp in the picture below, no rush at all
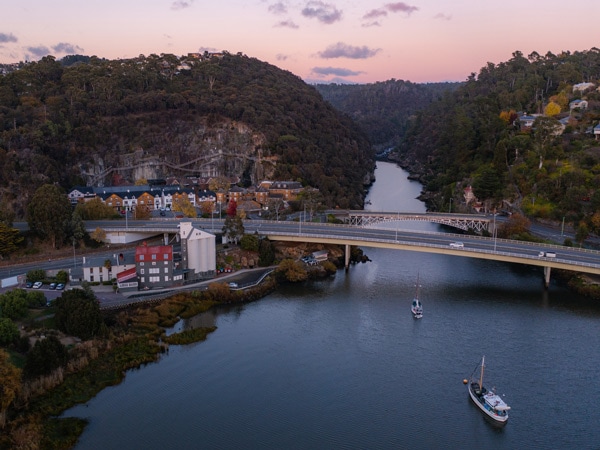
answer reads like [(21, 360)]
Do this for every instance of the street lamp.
[(450, 207), (562, 230), (495, 234), (74, 261)]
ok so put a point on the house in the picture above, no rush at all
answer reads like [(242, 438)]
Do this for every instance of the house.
[(597, 131), (578, 104), (320, 255), (526, 120), (98, 269), (155, 266), (289, 190), (582, 86), (80, 194)]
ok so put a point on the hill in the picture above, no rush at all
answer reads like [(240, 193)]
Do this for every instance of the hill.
[(523, 134), (100, 122), (383, 109)]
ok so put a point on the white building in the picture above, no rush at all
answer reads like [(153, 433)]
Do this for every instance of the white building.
[(198, 252)]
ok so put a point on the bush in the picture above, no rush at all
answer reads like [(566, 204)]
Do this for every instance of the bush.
[(36, 275)]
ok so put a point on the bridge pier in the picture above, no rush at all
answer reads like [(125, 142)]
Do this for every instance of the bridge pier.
[(347, 257), (547, 276)]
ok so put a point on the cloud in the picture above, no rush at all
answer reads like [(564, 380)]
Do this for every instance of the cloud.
[(278, 8), (341, 50), (286, 24), (7, 38), (323, 12), (39, 51), (375, 13), (400, 7), (442, 16), (338, 71), (64, 47), (180, 4)]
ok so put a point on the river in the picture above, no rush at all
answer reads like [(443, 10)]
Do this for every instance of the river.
[(341, 363)]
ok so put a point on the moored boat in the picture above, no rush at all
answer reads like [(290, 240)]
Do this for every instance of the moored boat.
[(487, 400), (417, 308)]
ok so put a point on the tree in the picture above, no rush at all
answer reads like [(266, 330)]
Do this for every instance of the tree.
[(249, 242), (36, 275), (552, 109), (49, 213), (99, 235), (8, 331), (231, 208), (515, 225), (95, 209), (266, 253), (141, 213), (582, 233), (13, 304), (184, 205), (219, 184), (78, 313), (46, 355), (10, 238), (10, 385), (291, 270), (233, 228)]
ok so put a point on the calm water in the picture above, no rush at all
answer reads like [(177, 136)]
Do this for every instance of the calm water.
[(341, 363)]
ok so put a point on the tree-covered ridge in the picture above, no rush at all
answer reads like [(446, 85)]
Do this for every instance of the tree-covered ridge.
[(60, 123), (382, 109), (473, 137)]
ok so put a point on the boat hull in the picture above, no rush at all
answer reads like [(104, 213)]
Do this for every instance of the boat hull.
[(479, 400)]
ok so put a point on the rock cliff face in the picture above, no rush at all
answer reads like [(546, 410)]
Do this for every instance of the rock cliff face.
[(196, 148)]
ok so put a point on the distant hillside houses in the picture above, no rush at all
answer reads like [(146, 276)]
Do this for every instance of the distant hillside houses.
[(158, 195)]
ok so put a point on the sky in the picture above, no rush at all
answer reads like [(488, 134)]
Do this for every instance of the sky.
[(321, 41)]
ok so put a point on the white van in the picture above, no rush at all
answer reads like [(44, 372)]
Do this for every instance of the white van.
[(547, 255)]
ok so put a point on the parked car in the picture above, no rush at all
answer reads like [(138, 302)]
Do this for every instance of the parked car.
[(37, 284), (60, 286), (29, 284), (457, 245), (233, 285), (52, 286)]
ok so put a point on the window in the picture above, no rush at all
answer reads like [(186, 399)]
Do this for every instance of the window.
[(141, 271), (141, 257), (166, 256), (166, 278), (143, 279), (142, 264), (154, 256), (166, 270), (154, 271), (154, 279)]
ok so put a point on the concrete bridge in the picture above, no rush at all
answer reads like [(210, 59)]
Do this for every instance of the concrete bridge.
[(566, 258)]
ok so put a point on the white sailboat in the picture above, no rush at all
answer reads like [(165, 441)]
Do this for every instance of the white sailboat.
[(416, 307), (488, 401)]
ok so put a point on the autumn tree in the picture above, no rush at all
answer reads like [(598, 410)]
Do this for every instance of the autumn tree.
[(49, 213), (95, 209), (141, 213), (99, 235), (517, 224), (183, 204), (552, 109), (219, 184)]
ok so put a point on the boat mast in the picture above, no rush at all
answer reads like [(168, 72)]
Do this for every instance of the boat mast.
[(481, 374)]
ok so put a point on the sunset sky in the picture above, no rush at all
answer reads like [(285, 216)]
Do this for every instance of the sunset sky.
[(355, 41)]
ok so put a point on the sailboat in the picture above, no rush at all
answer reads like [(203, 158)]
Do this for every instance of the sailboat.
[(417, 308), (488, 401)]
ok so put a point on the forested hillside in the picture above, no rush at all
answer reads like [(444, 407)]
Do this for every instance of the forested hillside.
[(382, 109), (479, 136), (98, 121)]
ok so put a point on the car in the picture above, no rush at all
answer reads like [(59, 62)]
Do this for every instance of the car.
[(48, 303), (37, 284), (52, 286), (29, 284), (233, 285), (60, 286), (457, 245), (547, 255)]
